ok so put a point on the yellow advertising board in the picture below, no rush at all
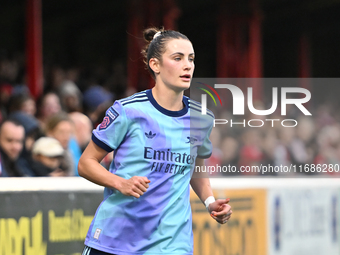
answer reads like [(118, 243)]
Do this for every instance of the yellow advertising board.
[(244, 234), (45, 223)]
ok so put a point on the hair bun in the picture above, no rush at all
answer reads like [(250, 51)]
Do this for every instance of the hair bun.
[(149, 33), (157, 39)]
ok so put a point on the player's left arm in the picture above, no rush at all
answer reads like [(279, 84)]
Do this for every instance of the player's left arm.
[(220, 210)]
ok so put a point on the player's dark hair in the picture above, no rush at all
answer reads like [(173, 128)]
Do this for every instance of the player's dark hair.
[(156, 46)]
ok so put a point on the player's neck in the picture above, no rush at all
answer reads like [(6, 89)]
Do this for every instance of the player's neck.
[(168, 99)]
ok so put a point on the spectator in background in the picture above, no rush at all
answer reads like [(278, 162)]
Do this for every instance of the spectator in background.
[(83, 128), (329, 146), (295, 145), (61, 128), (32, 133), (55, 75), (12, 136), (48, 106), (251, 151), (269, 143), (282, 154), (230, 152), (96, 101), (70, 96), (306, 138), (22, 102), (47, 153)]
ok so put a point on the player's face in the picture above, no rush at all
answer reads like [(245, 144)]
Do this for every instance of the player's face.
[(177, 66)]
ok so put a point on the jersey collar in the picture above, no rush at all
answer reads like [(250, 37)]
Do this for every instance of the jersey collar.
[(168, 112)]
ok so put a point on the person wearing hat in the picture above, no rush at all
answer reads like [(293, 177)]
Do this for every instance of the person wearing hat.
[(96, 100), (46, 155)]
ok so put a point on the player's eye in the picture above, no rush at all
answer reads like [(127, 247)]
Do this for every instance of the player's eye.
[(177, 58)]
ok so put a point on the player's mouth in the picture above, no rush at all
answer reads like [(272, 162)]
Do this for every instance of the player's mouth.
[(186, 77)]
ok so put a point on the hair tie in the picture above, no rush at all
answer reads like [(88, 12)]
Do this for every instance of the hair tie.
[(156, 35)]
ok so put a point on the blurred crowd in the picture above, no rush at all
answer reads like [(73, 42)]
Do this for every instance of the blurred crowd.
[(46, 136), (312, 147)]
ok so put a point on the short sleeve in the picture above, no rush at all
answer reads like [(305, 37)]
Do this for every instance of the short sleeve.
[(110, 133), (205, 150)]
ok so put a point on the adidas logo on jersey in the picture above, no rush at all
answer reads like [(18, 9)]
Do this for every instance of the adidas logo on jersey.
[(191, 140), (150, 135)]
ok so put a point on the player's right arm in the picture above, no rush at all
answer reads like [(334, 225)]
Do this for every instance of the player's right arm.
[(90, 168)]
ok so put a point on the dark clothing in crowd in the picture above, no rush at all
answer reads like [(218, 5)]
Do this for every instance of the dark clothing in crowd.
[(32, 168), (40, 169), (8, 168)]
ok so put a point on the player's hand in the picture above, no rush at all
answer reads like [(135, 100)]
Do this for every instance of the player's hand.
[(220, 210), (135, 186)]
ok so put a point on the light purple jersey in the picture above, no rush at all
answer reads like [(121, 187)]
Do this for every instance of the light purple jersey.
[(162, 145)]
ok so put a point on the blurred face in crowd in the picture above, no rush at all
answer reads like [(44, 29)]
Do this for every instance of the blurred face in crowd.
[(83, 127), (11, 139), (29, 107), (51, 105), (62, 132)]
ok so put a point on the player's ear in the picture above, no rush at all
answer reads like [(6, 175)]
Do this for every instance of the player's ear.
[(154, 65)]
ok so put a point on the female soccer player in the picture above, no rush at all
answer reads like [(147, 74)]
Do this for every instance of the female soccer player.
[(158, 136)]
